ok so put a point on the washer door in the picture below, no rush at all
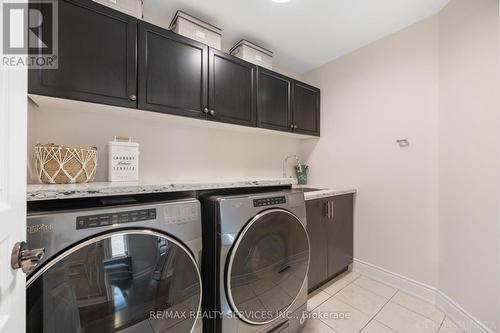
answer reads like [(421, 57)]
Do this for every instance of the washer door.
[(128, 281), (267, 266)]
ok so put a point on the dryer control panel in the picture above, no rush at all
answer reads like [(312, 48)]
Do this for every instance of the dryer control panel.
[(101, 220), (272, 201)]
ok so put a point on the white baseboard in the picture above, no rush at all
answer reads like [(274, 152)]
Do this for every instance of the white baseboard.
[(410, 286), (454, 311), (459, 315)]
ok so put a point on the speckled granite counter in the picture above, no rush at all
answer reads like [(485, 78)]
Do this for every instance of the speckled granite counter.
[(98, 189), (326, 193)]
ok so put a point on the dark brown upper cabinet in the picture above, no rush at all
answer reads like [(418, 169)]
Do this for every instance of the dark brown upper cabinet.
[(287, 105), (97, 56), (274, 101), (306, 111), (108, 57), (232, 89), (173, 72)]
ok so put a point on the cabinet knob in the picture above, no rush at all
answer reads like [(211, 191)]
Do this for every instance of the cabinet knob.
[(291, 126), (132, 97), (212, 112), (205, 110), (294, 126)]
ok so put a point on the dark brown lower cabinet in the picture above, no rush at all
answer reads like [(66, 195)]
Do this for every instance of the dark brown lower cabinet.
[(330, 229), (318, 241)]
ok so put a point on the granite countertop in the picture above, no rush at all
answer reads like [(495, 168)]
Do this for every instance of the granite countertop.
[(325, 193), (99, 189)]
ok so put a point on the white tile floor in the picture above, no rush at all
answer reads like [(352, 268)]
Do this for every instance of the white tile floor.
[(353, 303)]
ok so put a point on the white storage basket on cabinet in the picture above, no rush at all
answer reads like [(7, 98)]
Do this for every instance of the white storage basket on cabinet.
[(123, 163), (253, 53), (194, 28)]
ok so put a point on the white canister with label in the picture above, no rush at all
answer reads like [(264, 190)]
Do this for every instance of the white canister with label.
[(123, 160)]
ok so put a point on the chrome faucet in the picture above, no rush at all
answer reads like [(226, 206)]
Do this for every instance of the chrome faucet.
[(299, 164)]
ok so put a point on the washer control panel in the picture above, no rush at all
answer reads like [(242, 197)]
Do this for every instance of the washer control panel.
[(272, 201), (181, 213), (102, 220)]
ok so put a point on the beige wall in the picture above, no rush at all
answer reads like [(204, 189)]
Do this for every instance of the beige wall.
[(469, 127), (369, 99), (172, 148)]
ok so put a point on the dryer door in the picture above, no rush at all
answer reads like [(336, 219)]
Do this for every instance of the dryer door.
[(267, 266), (128, 281)]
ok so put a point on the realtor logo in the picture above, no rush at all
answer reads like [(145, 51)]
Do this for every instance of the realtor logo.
[(29, 34)]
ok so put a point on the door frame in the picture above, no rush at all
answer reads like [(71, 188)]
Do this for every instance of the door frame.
[(13, 175)]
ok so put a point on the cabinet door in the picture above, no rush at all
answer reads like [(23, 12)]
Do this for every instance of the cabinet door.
[(274, 100), (173, 72), (97, 56), (232, 92), (316, 229), (306, 110), (340, 233)]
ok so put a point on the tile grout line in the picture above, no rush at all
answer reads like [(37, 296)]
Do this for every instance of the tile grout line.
[(362, 287), (356, 308), (388, 300), (330, 296), (381, 323), (317, 306), (440, 326), (411, 310), (348, 283), (374, 293), (373, 318)]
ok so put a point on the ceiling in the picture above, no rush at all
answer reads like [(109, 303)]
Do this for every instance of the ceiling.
[(303, 34)]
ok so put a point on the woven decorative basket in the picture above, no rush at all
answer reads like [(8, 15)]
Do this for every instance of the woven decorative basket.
[(65, 165)]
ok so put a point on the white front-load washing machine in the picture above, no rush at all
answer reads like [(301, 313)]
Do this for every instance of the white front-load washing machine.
[(115, 264), (255, 261)]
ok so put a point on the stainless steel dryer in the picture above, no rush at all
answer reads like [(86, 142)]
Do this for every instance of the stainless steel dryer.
[(255, 262), (117, 264)]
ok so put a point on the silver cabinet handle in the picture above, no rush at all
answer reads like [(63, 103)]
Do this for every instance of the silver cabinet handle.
[(132, 97), (205, 110), (295, 126), (331, 210), (291, 126), (212, 112)]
